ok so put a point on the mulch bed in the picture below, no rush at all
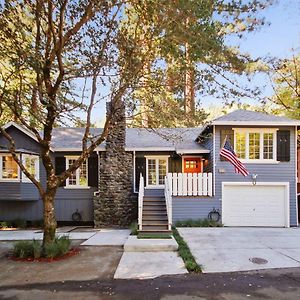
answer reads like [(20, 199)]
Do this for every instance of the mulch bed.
[(71, 253)]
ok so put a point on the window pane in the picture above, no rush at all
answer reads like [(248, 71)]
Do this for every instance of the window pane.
[(30, 165), (72, 178), (240, 145), (9, 168), (254, 145), (162, 170), (83, 175), (268, 145), (152, 172)]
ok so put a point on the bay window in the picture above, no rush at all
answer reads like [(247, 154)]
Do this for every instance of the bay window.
[(255, 145), (9, 168), (31, 163), (78, 178)]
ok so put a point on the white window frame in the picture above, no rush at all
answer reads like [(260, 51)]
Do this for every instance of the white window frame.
[(157, 158), (77, 186), (1, 170), (261, 131), (36, 166)]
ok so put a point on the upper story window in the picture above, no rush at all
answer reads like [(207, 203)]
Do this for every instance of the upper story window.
[(255, 144), (79, 178), (31, 163), (9, 168)]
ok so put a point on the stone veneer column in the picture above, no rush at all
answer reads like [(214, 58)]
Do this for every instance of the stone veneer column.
[(115, 206)]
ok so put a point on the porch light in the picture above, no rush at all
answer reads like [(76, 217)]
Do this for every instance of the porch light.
[(254, 178)]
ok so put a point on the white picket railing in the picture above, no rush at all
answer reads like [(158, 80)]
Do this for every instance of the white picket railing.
[(168, 197), (140, 202), (188, 184)]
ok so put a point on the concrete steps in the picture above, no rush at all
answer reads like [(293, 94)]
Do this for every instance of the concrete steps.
[(133, 244)]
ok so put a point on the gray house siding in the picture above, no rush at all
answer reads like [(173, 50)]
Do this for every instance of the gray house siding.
[(185, 208), (278, 172), (22, 200), (199, 207)]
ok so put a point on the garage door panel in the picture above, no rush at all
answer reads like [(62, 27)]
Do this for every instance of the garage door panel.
[(259, 205)]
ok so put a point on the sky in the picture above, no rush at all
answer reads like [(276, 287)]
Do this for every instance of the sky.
[(276, 40)]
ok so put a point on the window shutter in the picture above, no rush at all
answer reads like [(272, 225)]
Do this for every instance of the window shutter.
[(175, 165), (140, 167), (60, 166), (93, 171), (283, 145), (230, 136)]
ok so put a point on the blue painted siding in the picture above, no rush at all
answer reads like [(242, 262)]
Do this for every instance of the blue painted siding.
[(22, 200), (199, 207), (278, 172)]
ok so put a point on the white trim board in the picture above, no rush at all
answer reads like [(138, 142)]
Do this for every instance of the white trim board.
[(258, 123), (21, 128)]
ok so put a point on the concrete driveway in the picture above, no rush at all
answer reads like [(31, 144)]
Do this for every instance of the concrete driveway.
[(243, 249)]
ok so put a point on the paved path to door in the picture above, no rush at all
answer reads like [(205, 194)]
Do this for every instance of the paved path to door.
[(243, 249)]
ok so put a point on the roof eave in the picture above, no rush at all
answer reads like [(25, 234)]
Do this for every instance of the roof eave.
[(257, 123)]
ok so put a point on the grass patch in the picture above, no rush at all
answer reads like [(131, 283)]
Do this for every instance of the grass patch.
[(154, 236), (33, 249), (198, 223), (185, 253)]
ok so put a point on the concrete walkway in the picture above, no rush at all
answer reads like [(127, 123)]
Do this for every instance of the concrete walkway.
[(243, 249), (149, 258), (108, 237), (18, 235)]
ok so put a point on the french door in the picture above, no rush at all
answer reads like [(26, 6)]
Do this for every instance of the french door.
[(157, 168)]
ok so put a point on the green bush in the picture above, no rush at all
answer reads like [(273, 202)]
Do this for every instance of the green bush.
[(19, 223), (23, 249), (134, 227), (60, 247), (198, 223), (37, 249), (4, 224), (33, 249)]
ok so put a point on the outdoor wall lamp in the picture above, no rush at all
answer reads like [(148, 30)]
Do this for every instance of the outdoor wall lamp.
[(254, 178)]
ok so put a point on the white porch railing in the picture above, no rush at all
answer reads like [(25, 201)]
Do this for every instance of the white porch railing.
[(168, 197), (140, 202), (187, 184)]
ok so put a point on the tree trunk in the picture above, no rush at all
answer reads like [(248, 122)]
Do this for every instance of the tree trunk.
[(189, 93), (49, 217)]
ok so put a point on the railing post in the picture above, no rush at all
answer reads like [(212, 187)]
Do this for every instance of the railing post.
[(140, 202)]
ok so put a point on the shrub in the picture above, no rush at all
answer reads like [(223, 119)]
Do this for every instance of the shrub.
[(4, 224), (19, 223), (37, 249), (33, 249), (23, 249), (60, 247), (134, 228), (198, 223)]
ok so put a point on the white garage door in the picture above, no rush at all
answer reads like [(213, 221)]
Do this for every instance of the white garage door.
[(264, 204)]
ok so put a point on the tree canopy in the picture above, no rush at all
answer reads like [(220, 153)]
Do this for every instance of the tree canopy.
[(188, 56)]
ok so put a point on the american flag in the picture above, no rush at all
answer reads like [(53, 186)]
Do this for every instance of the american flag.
[(228, 153)]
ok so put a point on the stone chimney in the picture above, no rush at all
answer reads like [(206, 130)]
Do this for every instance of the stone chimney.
[(115, 206)]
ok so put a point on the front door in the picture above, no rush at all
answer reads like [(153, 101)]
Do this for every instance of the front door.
[(157, 168), (192, 165)]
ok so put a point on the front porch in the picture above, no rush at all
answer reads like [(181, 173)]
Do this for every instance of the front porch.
[(155, 206)]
